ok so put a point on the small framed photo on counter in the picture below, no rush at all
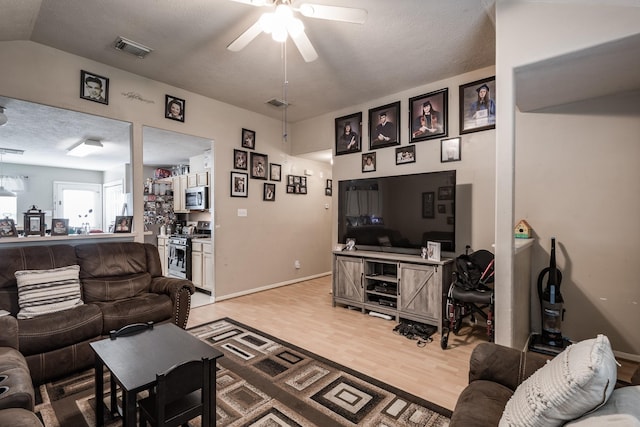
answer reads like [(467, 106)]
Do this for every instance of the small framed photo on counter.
[(123, 224), (59, 227)]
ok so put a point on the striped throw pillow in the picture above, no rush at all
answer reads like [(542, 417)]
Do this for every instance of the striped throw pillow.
[(48, 291)]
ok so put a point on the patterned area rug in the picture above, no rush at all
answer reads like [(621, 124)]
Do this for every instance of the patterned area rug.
[(264, 381)]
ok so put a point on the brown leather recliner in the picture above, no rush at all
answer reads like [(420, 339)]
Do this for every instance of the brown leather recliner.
[(121, 283)]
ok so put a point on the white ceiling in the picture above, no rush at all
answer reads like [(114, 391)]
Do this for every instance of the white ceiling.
[(402, 44)]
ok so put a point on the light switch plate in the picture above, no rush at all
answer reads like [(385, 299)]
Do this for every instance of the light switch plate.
[(242, 212)]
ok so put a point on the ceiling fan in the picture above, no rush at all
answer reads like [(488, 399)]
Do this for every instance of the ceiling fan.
[(281, 23)]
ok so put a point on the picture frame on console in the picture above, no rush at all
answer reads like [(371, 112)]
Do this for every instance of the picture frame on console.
[(123, 224), (384, 126), (477, 105), (239, 184), (429, 115), (348, 133), (59, 227), (8, 228)]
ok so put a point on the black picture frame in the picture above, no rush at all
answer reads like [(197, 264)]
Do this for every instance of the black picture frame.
[(240, 159), (450, 150), (123, 224), (94, 87), (275, 172), (472, 117), (406, 154), (446, 193), (174, 108), (329, 183), (269, 192), (290, 189), (59, 226), (8, 228), (297, 183), (429, 114), (239, 184), (366, 165), (248, 139), (259, 164), (328, 191), (348, 140), (380, 138), (428, 204), (442, 209)]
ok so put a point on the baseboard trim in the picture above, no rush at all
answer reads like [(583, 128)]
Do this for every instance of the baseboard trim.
[(272, 286), (627, 356)]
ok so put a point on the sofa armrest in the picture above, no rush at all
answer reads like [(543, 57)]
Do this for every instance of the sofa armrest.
[(180, 291), (503, 365), (9, 331)]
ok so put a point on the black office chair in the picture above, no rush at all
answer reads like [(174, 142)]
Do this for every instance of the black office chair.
[(182, 393)]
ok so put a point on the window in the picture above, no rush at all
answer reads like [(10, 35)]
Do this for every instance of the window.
[(81, 203), (9, 208), (114, 203)]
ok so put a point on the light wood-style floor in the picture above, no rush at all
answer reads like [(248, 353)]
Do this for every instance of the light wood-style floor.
[(302, 314)]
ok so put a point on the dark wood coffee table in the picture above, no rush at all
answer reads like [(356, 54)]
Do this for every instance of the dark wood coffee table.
[(135, 360)]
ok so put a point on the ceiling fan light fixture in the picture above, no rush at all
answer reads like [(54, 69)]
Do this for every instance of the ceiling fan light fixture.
[(295, 27)]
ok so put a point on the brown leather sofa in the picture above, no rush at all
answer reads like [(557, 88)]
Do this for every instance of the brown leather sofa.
[(495, 372), (121, 283)]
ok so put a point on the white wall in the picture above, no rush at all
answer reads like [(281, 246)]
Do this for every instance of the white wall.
[(475, 172), (250, 252), (573, 170)]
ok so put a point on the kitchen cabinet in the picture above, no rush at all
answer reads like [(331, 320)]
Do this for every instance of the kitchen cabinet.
[(202, 265), (162, 251), (179, 184), (198, 179)]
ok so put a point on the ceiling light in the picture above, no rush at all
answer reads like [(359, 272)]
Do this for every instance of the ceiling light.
[(3, 117), (281, 23), (132, 47), (85, 148)]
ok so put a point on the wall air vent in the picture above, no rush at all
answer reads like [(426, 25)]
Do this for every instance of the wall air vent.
[(278, 103), (129, 46)]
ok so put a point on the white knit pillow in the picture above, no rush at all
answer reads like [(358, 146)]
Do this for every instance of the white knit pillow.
[(579, 379), (47, 291)]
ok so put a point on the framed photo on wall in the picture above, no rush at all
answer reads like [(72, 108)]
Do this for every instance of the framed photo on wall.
[(59, 227), (477, 105), (349, 134), (248, 139), (384, 126), (269, 192), (240, 159), (123, 224), (369, 162), (259, 163), (174, 108), (450, 150), (429, 115), (405, 154), (275, 172), (239, 184), (94, 87)]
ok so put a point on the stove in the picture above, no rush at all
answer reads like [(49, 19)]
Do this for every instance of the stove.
[(179, 250)]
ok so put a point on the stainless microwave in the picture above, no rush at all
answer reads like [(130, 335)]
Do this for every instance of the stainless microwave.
[(196, 198)]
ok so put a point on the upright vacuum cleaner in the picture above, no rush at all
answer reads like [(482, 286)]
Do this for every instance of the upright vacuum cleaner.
[(551, 340)]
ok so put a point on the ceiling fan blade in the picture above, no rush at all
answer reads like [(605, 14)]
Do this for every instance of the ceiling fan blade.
[(245, 38), (333, 13), (252, 2), (305, 47)]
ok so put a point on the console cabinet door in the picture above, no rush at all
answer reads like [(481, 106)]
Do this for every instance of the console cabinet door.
[(420, 291), (348, 279)]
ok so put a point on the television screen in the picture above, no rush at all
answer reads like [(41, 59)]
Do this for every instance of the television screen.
[(398, 213)]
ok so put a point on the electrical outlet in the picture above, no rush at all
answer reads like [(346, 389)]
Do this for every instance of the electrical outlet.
[(296, 264)]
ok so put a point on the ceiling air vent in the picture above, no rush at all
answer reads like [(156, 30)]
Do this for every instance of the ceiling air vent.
[(132, 47), (278, 103)]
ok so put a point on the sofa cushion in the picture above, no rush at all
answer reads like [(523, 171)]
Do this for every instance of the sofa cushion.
[(621, 410), (483, 400), (139, 309), (57, 330), (115, 288), (111, 259), (47, 291), (579, 379)]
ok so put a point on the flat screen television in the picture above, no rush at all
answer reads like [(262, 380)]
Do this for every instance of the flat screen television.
[(398, 213)]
